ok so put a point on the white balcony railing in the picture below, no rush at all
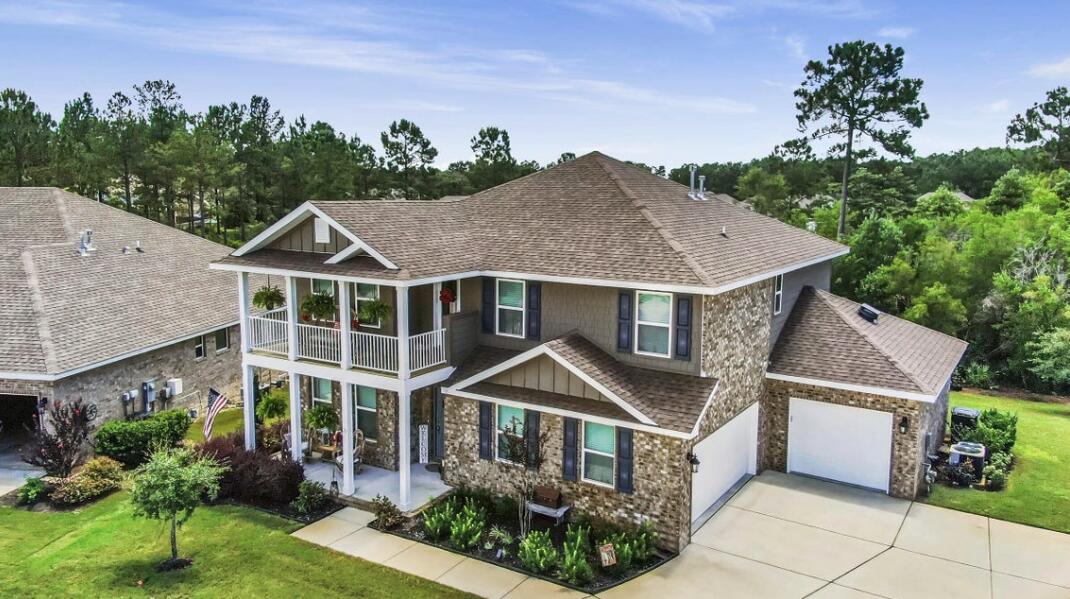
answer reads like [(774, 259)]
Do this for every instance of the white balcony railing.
[(427, 349), (375, 352), (267, 332), (318, 343)]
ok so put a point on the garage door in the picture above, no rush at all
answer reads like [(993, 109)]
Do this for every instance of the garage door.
[(724, 457), (841, 443)]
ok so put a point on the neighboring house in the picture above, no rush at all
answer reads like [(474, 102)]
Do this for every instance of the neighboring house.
[(622, 318), (103, 305)]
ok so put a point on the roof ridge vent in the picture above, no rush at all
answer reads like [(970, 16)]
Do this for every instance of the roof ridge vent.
[(869, 313), (85, 243)]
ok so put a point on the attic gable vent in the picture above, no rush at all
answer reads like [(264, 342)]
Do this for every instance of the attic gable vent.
[(869, 313), (322, 231)]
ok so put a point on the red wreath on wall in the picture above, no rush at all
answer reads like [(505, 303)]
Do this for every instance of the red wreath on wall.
[(447, 296)]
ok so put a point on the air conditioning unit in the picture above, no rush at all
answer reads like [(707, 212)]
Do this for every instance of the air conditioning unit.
[(174, 388)]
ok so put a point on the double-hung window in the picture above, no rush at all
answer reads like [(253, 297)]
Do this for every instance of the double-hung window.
[(367, 412), (599, 453), (778, 294), (323, 286), (321, 391), (222, 340), (367, 293), (198, 347), (653, 323), (510, 432), (509, 315)]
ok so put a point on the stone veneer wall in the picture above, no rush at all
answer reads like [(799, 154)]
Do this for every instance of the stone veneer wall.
[(735, 348), (661, 480), (906, 448)]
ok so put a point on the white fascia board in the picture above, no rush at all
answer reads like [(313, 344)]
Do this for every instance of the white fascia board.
[(922, 397), (542, 350), (779, 271), (35, 376), (353, 248), (304, 274), (705, 408), (320, 371), (566, 413), (352, 238)]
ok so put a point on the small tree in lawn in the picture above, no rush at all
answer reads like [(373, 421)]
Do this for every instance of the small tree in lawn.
[(526, 451), (170, 486), (58, 446)]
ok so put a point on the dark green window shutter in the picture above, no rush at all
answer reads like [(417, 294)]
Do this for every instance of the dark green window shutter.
[(486, 430), (624, 321), (531, 438), (683, 327), (489, 304), (569, 459), (534, 311), (624, 460)]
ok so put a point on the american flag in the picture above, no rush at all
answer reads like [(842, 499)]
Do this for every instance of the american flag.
[(216, 402)]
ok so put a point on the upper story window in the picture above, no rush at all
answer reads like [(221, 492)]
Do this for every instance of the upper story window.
[(367, 293), (323, 286), (222, 340), (653, 323), (509, 314), (778, 294), (599, 453), (510, 432), (198, 347), (321, 391)]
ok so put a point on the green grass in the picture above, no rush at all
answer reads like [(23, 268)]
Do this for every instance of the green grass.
[(103, 551), (1038, 488), (226, 422)]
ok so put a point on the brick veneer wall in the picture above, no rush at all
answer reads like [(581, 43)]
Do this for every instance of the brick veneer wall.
[(661, 478), (906, 448)]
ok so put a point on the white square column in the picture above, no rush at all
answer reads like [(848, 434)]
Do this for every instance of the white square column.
[(346, 328), (295, 418), (436, 306), (404, 401), (248, 388), (347, 438), (244, 306), (291, 318)]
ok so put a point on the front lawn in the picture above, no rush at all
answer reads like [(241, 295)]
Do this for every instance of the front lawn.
[(102, 551), (1038, 489), (226, 422)]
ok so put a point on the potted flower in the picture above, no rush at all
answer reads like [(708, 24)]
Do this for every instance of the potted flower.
[(320, 418), (268, 298), (319, 307), (447, 296), (372, 311)]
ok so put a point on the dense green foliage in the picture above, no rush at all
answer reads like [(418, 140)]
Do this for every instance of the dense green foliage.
[(97, 477), (537, 552), (312, 496), (131, 441), (32, 491)]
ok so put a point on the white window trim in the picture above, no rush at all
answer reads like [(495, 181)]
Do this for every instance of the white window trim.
[(583, 457), (357, 299), (778, 294), (312, 286), (356, 416), (523, 309), (226, 333), (498, 431), (329, 400), (653, 324), (200, 346)]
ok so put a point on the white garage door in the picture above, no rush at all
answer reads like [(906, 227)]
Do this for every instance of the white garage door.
[(726, 456), (851, 445)]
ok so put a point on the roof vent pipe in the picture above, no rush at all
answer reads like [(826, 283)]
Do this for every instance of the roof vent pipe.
[(126, 249), (85, 243), (691, 193), (724, 230), (137, 246), (702, 187)]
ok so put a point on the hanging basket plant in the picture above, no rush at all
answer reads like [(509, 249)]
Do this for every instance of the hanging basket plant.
[(319, 306), (447, 296), (374, 311), (268, 297)]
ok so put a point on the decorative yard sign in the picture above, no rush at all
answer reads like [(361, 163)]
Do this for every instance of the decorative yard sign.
[(608, 555), (423, 444)]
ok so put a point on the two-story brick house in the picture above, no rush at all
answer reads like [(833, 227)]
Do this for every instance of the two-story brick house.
[(624, 318)]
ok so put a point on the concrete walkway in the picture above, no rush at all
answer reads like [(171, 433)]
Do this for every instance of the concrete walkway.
[(782, 536), (13, 471)]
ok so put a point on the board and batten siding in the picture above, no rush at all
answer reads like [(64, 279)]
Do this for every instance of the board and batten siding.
[(302, 239), (545, 374)]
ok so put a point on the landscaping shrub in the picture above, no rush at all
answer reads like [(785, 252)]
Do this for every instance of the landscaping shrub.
[(645, 541), (468, 526), (537, 552), (575, 552), (32, 491), (98, 477), (995, 477), (501, 537), (269, 437), (437, 518), (312, 497), (1001, 460), (978, 375), (58, 448), (253, 476), (131, 441), (387, 515)]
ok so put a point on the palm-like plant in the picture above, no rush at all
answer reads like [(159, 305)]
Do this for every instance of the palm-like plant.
[(373, 311), (268, 297), (319, 306)]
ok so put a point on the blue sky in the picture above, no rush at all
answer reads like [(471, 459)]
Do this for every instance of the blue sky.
[(659, 82)]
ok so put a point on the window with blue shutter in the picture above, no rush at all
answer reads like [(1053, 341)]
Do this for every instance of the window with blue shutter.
[(488, 305), (534, 311), (486, 430), (531, 438), (624, 460), (624, 321), (568, 460), (683, 327)]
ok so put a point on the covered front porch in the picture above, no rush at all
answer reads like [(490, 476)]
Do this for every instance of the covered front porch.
[(425, 484)]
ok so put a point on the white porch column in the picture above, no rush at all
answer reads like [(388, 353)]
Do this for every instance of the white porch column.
[(291, 317), (436, 307), (347, 438), (404, 458), (243, 311), (344, 289), (249, 409), (295, 417), (403, 332)]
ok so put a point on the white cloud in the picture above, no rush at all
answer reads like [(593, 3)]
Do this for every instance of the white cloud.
[(797, 46), (704, 16), (1051, 70), (899, 33), (999, 106)]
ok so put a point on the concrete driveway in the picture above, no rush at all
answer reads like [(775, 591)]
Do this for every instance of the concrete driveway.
[(789, 536), (13, 471)]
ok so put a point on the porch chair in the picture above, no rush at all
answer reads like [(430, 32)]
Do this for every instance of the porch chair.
[(358, 455)]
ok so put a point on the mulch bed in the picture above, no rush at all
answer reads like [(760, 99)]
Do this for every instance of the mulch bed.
[(284, 510)]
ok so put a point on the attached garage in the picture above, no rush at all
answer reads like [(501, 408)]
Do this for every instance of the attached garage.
[(726, 456), (840, 443)]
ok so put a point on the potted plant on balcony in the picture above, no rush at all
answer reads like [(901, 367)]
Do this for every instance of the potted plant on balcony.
[(319, 306), (268, 298), (320, 418), (373, 311)]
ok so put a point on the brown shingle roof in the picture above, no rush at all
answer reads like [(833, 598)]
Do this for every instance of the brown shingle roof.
[(673, 401), (593, 217), (63, 311), (825, 338)]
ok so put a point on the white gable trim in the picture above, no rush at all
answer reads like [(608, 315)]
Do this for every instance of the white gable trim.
[(345, 253), (542, 350), (705, 408), (923, 397), (568, 413), (287, 222)]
